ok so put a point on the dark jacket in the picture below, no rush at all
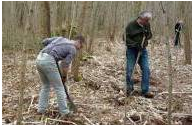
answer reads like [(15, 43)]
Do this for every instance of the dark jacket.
[(135, 33), (178, 28)]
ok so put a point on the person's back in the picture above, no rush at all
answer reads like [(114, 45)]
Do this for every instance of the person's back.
[(60, 48), (56, 49)]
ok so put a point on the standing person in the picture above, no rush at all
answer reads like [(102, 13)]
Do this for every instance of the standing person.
[(178, 28), (136, 30), (56, 49)]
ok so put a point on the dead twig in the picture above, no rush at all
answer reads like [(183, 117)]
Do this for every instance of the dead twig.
[(87, 119), (131, 121), (57, 120), (145, 123), (32, 100), (159, 94), (177, 114), (98, 106), (33, 123)]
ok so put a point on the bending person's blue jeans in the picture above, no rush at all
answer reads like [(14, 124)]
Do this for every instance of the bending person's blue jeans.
[(49, 74), (144, 65)]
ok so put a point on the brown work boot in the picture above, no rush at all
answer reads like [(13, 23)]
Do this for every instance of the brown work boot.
[(148, 95)]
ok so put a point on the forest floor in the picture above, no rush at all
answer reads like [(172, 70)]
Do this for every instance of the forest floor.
[(99, 96)]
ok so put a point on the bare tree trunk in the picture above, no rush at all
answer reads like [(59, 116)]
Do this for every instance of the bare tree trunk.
[(114, 25), (59, 17), (187, 35), (23, 69), (76, 62), (72, 21), (82, 16), (170, 75), (20, 13), (44, 8), (93, 26), (187, 48), (136, 8), (66, 24)]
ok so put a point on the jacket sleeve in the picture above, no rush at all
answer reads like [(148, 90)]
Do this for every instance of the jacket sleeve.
[(148, 33), (128, 33), (68, 59), (47, 41)]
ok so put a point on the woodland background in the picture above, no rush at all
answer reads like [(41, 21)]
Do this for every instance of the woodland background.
[(98, 75)]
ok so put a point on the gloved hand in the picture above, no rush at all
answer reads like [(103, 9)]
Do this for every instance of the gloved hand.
[(145, 43), (145, 31), (64, 79), (139, 47)]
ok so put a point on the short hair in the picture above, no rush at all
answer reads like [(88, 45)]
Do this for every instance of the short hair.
[(80, 38), (180, 21), (145, 14)]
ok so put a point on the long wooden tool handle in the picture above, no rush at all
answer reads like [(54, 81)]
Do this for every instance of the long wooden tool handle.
[(63, 81), (138, 56)]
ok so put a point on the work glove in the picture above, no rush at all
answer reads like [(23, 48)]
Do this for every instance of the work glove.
[(145, 43), (145, 31), (64, 79), (139, 47)]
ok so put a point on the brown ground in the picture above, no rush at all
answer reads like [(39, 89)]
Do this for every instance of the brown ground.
[(99, 96)]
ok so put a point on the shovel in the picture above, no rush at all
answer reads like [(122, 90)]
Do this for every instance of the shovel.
[(71, 105)]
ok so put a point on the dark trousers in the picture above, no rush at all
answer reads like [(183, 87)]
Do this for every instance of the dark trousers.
[(144, 65)]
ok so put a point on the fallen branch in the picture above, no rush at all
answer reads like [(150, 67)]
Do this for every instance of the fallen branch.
[(176, 93), (159, 94), (45, 121), (176, 114), (87, 119), (31, 122), (94, 105), (181, 115), (32, 100), (145, 123), (3, 117), (131, 120), (57, 120)]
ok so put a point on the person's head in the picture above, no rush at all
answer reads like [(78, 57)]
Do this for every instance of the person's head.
[(180, 21), (144, 17), (79, 41)]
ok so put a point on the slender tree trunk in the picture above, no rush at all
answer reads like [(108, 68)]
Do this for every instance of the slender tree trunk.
[(23, 69), (68, 20), (93, 26), (76, 62), (45, 30), (187, 30), (137, 8), (59, 17), (170, 75), (114, 25), (82, 16), (187, 48), (72, 21)]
